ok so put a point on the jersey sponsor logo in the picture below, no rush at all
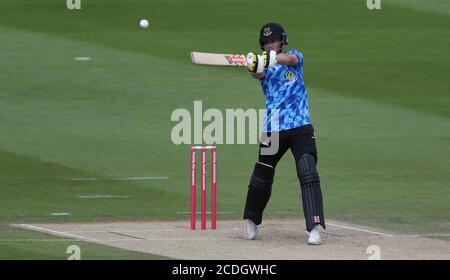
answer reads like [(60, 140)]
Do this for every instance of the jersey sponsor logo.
[(290, 75), (290, 78)]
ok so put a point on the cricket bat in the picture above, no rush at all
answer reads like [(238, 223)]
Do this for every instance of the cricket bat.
[(218, 59)]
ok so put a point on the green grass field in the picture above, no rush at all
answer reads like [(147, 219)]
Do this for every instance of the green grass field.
[(379, 100)]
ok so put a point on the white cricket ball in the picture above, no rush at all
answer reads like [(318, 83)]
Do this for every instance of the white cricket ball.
[(144, 23)]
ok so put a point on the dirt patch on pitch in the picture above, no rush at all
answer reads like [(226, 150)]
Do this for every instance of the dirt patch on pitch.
[(277, 239)]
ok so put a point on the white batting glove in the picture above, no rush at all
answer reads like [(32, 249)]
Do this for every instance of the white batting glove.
[(255, 63), (270, 59)]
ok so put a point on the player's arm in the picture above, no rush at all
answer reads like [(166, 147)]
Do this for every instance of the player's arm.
[(287, 59), (271, 58)]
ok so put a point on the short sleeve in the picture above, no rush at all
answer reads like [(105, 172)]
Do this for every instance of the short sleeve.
[(299, 57)]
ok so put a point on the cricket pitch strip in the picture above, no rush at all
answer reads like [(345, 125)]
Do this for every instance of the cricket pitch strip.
[(277, 239)]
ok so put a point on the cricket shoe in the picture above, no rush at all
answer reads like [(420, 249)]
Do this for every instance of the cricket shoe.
[(251, 230), (314, 236)]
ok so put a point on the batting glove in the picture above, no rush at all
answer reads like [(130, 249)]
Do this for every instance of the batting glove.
[(255, 63), (270, 58)]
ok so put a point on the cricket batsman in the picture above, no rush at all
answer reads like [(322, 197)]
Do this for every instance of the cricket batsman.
[(281, 77)]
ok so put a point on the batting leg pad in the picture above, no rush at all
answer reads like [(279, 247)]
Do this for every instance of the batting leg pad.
[(259, 191), (311, 193)]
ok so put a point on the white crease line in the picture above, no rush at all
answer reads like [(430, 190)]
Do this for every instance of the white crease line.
[(120, 178), (191, 239), (358, 229), (99, 196), (82, 58), (170, 239), (60, 214), (57, 232), (68, 240), (124, 231), (82, 179), (141, 178), (122, 240)]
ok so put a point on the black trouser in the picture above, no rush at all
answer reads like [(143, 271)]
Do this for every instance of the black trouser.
[(302, 143)]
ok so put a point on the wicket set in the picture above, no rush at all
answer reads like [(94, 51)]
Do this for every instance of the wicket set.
[(203, 186)]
